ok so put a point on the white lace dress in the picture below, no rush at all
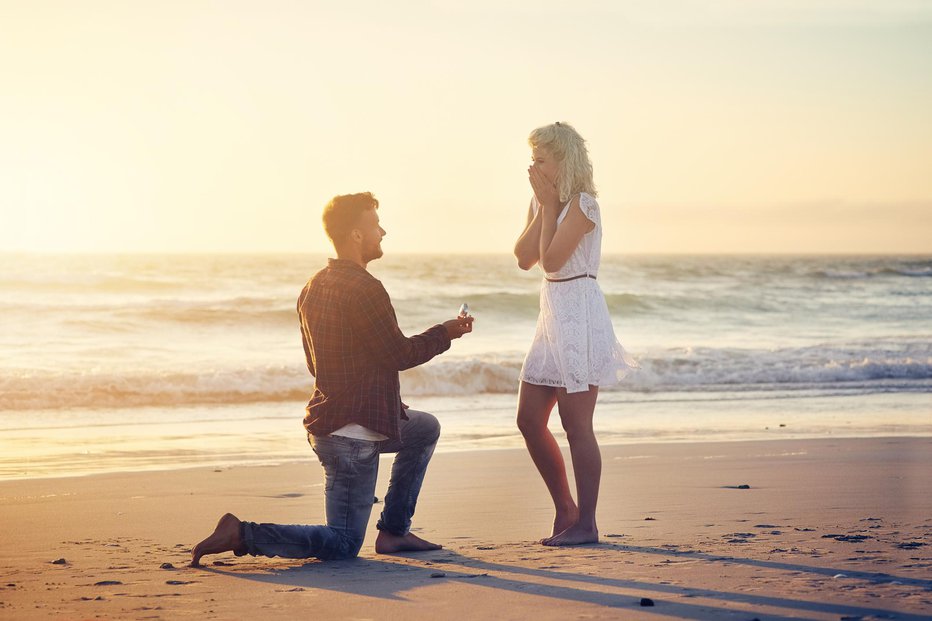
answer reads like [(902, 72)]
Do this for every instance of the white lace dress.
[(575, 344)]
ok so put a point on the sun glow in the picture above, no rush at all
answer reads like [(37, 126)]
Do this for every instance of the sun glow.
[(713, 127)]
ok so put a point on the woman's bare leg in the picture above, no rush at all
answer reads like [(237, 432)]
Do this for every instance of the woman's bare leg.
[(534, 406), (576, 411)]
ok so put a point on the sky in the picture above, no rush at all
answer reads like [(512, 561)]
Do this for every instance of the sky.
[(715, 126)]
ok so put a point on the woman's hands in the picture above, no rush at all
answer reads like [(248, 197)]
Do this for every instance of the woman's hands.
[(544, 189), (541, 225)]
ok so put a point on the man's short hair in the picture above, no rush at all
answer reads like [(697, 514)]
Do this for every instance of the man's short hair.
[(342, 213)]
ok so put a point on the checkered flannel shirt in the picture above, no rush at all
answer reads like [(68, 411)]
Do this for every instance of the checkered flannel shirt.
[(354, 350)]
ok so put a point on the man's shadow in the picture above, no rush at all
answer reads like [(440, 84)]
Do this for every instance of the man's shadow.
[(389, 579)]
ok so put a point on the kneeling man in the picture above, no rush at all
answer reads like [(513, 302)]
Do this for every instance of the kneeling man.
[(354, 350)]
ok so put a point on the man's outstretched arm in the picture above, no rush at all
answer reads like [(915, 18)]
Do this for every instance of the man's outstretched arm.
[(378, 329)]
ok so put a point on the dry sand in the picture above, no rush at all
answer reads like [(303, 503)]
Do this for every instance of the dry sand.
[(829, 529)]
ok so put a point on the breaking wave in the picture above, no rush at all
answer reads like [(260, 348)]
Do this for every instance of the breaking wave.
[(896, 366)]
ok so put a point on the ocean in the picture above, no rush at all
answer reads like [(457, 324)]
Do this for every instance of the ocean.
[(128, 362)]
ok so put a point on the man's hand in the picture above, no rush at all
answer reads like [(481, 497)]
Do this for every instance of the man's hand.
[(458, 327)]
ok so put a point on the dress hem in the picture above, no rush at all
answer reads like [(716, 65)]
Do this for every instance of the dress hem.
[(554, 384)]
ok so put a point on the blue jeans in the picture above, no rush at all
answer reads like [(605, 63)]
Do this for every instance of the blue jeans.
[(350, 468)]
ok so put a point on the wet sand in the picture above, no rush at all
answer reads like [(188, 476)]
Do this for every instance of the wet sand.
[(824, 529)]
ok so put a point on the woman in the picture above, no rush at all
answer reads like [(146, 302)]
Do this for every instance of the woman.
[(574, 351)]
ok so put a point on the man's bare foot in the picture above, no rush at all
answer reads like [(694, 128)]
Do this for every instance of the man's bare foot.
[(387, 543), (225, 538), (573, 536)]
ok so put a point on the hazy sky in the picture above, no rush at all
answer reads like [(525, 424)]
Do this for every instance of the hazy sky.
[(714, 126)]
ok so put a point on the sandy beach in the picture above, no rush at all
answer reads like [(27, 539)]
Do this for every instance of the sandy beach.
[(826, 529)]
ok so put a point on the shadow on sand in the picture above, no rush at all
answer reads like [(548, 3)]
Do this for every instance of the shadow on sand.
[(389, 579)]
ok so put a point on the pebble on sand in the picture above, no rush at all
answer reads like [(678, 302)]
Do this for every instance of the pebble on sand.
[(59, 561), (646, 601), (438, 574), (166, 566)]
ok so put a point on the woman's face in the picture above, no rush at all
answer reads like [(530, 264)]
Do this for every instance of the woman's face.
[(544, 162)]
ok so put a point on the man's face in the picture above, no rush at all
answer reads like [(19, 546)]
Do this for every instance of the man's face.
[(372, 234)]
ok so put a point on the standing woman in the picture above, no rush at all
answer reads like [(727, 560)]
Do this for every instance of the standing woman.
[(574, 351)]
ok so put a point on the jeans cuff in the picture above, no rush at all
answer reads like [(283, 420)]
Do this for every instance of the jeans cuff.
[(382, 526), (246, 536)]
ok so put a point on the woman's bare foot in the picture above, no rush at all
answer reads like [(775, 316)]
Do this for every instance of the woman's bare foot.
[(225, 538), (573, 536), (387, 543), (563, 520)]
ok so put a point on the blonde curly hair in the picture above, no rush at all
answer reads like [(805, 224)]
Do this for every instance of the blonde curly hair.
[(564, 143)]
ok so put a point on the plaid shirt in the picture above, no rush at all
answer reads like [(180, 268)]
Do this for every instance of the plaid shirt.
[(354, 350)]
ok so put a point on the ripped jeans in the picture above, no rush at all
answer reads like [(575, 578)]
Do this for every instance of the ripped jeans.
[(350, 468)]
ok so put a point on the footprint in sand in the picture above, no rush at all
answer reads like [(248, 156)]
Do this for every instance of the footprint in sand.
[(740, 537), (847, 538)]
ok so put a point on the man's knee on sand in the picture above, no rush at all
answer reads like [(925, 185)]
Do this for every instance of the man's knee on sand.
[(347, 548)]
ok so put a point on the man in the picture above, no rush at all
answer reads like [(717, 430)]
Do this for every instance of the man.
[(354, 350)]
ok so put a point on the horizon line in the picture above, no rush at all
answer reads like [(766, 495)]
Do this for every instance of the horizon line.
[(181, 253)]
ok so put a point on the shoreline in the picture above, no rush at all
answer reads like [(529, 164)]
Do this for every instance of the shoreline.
[(560, 437), (49, 444), (827, 528)]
